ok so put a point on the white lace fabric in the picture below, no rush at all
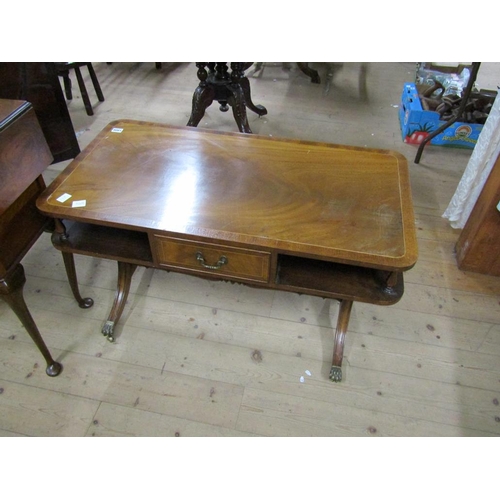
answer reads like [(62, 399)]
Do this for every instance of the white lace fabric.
[(478, 169)]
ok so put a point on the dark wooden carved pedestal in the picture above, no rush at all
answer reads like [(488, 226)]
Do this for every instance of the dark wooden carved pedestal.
[(228, 89)]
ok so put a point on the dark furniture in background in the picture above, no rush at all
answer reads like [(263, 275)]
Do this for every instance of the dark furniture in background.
[(479, 241), (227, 88), (24, 155), (38, 83), (63, 70), (465, 98)]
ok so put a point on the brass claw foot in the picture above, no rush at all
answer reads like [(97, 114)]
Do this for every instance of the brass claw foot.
[(336, 374), (107, 330)]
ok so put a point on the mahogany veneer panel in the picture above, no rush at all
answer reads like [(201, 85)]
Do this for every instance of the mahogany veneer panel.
[(245, 189)]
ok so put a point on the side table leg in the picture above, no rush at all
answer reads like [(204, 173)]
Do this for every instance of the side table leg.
[(69, 264), (203, 96), (237, 103), (125, 273), (256, 108), (311, 73), (237, 97), (59, 239), (11, 291), (338, 349)]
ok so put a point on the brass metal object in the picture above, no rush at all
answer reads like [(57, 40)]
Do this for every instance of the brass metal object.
[(221, 262), (336, 374), (107, 330)]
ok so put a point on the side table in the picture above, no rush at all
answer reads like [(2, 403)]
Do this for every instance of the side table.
[(24, 155), (279, 214)]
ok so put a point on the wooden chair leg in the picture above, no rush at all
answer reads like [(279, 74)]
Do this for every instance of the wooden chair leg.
[(95, 82), (83, 91), (67, 85)]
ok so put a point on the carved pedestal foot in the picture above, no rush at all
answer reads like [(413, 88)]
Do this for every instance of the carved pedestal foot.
[(256, 108), (311, 73), (202, 98), (237, 102), (336, 374)]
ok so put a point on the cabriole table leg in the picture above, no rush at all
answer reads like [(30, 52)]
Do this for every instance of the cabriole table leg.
[(11, 291), (338, 348), (59, 238), (125, 273), (69, 264)]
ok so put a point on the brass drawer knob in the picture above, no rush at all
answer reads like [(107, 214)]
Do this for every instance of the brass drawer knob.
[(221, 262)]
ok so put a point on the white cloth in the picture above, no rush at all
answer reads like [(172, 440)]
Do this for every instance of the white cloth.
[(477, 171)]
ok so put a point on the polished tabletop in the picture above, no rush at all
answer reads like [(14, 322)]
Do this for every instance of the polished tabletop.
[(24, 154), (340, 203)]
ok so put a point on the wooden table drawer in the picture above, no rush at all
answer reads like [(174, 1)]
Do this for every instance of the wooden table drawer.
[(219, 260)]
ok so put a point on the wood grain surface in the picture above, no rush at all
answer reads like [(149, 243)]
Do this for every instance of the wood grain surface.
[(340, 202)]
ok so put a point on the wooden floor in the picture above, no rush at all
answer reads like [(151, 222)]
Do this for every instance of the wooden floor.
[(202, 358)]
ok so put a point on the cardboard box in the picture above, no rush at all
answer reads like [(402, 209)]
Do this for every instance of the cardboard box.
[(417, 123)]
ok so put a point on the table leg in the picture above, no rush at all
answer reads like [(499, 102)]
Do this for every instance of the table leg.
[(69, 264), (237, 103), (125, 273), (11, 291), (95, 82), (311, 73), (237, 97), (256, 108), (338, 349), (202, 98), (59, 238), (83, 92)]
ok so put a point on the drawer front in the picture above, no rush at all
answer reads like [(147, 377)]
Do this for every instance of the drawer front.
[(218, 260)]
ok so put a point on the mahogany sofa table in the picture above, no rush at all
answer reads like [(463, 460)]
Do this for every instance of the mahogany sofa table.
[(315, 218)]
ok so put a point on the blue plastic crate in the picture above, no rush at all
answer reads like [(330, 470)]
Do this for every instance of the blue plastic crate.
[(417, 123)]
